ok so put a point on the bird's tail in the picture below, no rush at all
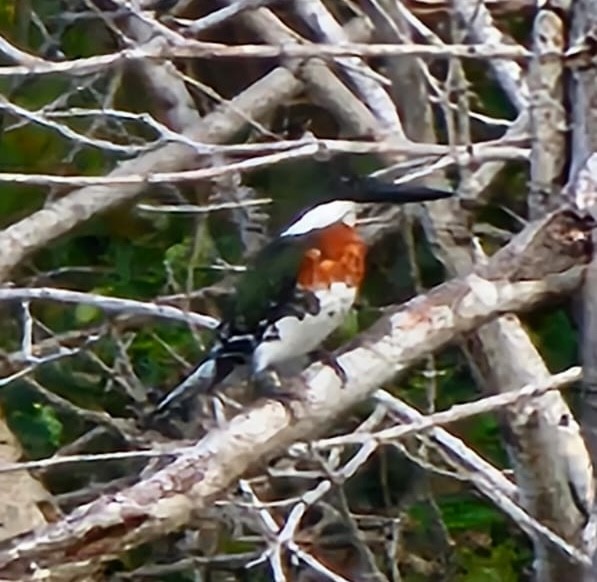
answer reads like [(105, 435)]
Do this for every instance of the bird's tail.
[(203, 378)]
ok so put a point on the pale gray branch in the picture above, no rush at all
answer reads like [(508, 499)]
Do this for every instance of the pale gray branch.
[(479, 154), (196, 49), (460, 411), (108, 304)]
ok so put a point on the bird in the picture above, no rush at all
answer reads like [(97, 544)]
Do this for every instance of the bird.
[(298, 289)]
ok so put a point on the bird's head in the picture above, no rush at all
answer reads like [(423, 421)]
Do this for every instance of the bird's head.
[(339, 201)]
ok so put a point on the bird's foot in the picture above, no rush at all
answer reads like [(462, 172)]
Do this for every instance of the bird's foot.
[(329, 359), (268, 385)]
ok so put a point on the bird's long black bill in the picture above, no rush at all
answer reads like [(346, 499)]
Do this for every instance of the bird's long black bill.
[(374, 190), (346, 183)]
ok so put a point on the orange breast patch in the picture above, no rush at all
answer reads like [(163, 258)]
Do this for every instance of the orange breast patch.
[(337, 255)]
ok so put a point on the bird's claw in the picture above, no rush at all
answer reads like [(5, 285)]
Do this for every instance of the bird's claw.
[(329, 359), (268, 385)]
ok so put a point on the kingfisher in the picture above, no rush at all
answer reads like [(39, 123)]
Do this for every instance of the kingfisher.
[(298, 289)]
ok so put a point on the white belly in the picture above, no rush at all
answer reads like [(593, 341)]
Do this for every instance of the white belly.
[(292, 337)]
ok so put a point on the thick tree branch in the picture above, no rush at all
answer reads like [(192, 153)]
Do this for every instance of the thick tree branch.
[(548, 114), (324, 25)]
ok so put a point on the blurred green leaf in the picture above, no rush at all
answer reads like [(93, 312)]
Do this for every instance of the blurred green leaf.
[(39, 427), (501, 565)]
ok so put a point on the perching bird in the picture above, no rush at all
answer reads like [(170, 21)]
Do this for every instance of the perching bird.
[(300, 287)]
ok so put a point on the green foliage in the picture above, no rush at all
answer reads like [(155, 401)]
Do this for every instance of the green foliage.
[(461, 513), (38, 426), (86, 314), (553, 334), (348, 329), (153, 363), (484, 547), (501, 564)]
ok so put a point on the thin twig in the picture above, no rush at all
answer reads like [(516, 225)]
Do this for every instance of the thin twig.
[(195, 49), (479, 153), (108, 304), (461, 411)]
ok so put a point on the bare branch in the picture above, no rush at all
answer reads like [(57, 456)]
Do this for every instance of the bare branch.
[(90, 458), (480, 23), (319, 19), (482, 152), (460, 411), (196, 49), (548, 116), (108, 304)]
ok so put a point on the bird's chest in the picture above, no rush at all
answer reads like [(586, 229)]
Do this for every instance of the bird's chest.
[(295, 335)]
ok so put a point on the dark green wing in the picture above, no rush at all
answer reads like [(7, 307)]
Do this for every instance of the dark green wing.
[(268, 284)]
